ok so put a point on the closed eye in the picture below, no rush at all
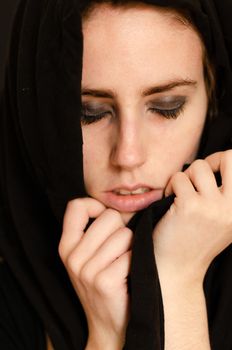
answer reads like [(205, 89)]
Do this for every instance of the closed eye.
[(168, 107), (92, 118), (168, 113)]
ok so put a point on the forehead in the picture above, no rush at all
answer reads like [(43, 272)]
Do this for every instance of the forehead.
[(141, 40)]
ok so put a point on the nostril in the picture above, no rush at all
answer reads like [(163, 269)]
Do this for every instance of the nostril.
[(127, 155)]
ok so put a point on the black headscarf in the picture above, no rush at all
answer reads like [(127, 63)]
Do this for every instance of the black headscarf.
[(41, 170)]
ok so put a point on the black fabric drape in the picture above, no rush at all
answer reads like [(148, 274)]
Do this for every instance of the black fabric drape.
[(41, 169)]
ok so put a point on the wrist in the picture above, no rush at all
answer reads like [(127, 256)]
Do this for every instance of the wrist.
[(92, 345), (104, 341), (183, 276), (185, 314)]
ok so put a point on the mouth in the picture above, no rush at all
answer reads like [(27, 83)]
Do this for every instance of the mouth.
[(124, 192), (131, 199)]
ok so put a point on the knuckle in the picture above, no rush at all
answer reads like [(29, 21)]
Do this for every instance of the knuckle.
[(103, 283), (177, 176), (126, 231), (227, 155), (198, 163), (86, 275), (77, 203), (72, 264), (61, 250), (124, 235), (114, 214)]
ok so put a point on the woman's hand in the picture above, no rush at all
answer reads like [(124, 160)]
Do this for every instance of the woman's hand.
[(198, 225), (196, 228), (98, 262)]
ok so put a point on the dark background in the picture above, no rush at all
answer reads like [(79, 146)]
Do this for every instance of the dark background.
[(7, 10)]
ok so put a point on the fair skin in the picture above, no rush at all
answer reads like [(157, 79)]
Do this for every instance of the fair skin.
[(135, 148)]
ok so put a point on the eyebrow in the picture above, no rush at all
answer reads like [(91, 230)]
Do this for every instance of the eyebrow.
[(147, 92)]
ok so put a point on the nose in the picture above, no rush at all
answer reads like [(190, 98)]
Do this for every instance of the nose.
[(128, 146)]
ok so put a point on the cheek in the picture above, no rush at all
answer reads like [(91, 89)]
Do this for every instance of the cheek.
[(89, 149), (94, 144), (181, 142), (186, 142), (177, 150), (94, 155), (191, 128)]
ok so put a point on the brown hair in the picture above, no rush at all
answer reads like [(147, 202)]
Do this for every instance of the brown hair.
[(182, 16)]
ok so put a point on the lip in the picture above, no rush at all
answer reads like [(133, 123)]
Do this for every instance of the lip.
[(131, 203)]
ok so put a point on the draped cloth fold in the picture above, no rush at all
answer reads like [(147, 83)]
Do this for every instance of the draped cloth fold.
[(41, 170), (145, 328)]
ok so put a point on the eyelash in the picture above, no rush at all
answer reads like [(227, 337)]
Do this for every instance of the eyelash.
[(166, 113), (89, 119)]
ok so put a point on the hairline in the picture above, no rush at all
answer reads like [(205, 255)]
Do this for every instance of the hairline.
[(181, 18)]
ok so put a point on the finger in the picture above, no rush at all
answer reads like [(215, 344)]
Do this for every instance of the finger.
[(76, 217), (107, 223), (202, 177), (127, 216), (222, 161), (115, 246), (180, 185), (116, 274)]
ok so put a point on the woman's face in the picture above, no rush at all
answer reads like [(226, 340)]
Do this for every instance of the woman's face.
[(144, 103)]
